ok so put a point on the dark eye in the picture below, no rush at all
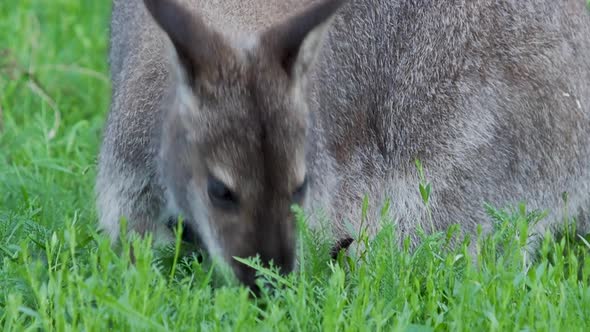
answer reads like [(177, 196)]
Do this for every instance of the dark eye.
[(300, 191), (220, 195)]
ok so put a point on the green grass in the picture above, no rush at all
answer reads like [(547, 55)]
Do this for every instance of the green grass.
[(57, 274)]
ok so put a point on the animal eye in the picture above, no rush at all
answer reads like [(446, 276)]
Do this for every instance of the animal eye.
[(300, 191), (220, 195)]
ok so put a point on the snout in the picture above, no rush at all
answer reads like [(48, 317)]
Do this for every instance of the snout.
[(279, 255)]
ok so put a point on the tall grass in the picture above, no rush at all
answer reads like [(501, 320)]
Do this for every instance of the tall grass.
[(56, 273)]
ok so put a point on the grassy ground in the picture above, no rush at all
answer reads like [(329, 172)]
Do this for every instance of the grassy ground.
[(56, 273)]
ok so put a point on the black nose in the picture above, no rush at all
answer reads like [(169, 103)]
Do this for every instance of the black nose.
[(247, 276), (280, 253), (282, 258)]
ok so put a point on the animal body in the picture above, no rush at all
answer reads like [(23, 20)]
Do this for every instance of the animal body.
[(228, 112)]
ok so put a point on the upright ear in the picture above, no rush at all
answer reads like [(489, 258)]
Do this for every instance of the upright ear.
[(196, 45), (297, 41)]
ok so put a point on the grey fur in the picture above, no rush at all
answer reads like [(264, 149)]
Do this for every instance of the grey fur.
[(492, 96)]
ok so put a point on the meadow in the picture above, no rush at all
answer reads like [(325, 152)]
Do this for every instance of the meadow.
[(58, 274)]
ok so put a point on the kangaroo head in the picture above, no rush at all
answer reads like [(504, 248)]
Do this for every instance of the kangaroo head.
[(235, 131)]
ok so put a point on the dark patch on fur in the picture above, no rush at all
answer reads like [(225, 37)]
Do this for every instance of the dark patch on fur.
[(341, 245)]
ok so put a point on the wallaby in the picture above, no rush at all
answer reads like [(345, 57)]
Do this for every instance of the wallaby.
[(322, 102)]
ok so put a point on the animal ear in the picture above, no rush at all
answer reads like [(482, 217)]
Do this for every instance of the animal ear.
[(196, 45), (296, 41)]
